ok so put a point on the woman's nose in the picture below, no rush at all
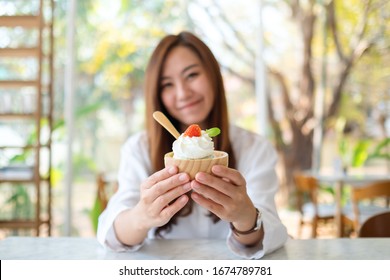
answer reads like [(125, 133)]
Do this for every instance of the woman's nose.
[(182, 91)]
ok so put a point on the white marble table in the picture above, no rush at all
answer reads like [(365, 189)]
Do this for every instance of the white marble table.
[(68, 248)]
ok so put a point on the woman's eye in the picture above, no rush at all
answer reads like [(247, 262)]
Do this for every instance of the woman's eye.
[(166, 85), (192, 75)]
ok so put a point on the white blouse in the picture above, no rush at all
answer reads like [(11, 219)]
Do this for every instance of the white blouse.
[(255, 160)]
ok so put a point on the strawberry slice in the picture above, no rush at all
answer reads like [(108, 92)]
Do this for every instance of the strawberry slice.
[(193, 131)]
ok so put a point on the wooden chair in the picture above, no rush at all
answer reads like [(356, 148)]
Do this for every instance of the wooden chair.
[(358, 212), (376, 226), (311, 212), (106, 186)]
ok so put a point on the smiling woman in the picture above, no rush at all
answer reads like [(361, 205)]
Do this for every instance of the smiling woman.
[(183, 80)]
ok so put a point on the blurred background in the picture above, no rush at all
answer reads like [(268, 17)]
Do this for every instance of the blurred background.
[(320, 67)]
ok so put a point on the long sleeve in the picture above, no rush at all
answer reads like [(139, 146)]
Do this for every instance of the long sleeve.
[(133, 170), (256, 160)]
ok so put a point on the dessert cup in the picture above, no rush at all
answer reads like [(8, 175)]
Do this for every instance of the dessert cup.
[(193, 166)]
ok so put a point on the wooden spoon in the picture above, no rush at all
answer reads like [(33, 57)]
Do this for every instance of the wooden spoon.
[(163, 120)]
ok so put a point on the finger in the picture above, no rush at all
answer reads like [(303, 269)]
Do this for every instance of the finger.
[(210, 205), (168, 212), (211, 193), (229, 173), (166, 198), (159, 176), (217, 183), (168, 184)]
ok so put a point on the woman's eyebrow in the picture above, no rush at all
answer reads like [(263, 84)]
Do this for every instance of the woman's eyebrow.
[(189, 67), (164, 78)]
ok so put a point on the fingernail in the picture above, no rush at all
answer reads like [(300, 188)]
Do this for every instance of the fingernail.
[(172, 170), (216, 168), (194, 185), (200, 177), (183, 177), (187, 186)]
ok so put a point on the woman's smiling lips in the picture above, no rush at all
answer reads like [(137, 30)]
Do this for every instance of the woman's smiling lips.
[(189, 105)]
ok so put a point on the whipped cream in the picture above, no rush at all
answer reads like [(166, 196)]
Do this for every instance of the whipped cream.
[(186, 147)]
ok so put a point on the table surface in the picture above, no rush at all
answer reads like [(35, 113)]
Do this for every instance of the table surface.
[(72, 248), (354, 179)]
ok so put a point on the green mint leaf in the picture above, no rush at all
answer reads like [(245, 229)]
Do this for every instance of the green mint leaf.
[(212, 132)]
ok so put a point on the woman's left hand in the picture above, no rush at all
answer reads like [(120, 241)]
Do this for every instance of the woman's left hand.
[(224, 193)]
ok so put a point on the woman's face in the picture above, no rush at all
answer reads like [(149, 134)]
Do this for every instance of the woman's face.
[(186, 91)]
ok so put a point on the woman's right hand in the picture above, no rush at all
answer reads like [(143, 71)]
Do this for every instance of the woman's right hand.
[(155, 208)]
